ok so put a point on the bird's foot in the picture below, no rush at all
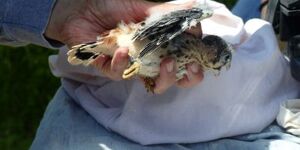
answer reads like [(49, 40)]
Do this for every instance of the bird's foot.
[(131, 71)]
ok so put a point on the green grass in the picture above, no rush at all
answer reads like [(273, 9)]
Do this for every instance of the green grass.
[(26, 88)]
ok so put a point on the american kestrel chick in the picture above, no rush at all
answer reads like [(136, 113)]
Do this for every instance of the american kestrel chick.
[(158, 37)]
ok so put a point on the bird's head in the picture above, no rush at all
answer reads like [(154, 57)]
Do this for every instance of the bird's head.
[(222, 55)]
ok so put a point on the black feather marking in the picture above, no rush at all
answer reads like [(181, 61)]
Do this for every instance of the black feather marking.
[(84, 55), (151, 37), (95, 56), (187, 42), (93, 46), (89, 43), (149, 47), (165, 45), (184, 46)]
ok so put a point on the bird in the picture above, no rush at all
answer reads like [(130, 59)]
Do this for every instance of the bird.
[(157, 37)]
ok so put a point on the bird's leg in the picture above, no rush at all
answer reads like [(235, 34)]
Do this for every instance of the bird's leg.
[(149, 84), (131, 71)]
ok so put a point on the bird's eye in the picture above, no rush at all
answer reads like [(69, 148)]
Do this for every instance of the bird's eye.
[(227, 57)]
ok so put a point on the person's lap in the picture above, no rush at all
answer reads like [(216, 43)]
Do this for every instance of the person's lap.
[(66, 125)]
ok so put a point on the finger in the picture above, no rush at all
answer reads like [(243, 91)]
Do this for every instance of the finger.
[(103, 63), (167, 76), (193, 77), (119, 62), (113, 67)]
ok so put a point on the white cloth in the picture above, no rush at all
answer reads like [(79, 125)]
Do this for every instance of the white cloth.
[(244, 99), (289, 116)]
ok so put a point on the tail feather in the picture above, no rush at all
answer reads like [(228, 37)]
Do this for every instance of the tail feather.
[(106, 44), (85, 53)]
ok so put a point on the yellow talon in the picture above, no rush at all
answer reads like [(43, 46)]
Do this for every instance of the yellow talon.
[(131, 71)]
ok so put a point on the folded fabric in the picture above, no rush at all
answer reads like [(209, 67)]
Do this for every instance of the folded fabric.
[(289, 116), (66, 126)]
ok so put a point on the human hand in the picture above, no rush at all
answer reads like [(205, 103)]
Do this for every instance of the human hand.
[(82, 21)]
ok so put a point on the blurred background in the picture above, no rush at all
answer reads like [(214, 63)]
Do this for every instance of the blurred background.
[(26, 87)]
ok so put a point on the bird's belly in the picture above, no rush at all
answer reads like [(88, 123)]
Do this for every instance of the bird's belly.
[(150, 66)]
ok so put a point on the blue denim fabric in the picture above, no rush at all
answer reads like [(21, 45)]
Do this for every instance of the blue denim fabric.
[(66, 126), (247, 9), (24, 21)]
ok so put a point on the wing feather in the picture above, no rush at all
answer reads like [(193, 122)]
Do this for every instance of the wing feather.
[(166, 28)]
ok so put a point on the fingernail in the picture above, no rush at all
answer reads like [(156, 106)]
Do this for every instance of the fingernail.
[(124, 54), (195, 68), (170, 66)]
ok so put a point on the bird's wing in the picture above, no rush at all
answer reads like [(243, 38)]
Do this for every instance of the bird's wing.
[(166, 28)]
